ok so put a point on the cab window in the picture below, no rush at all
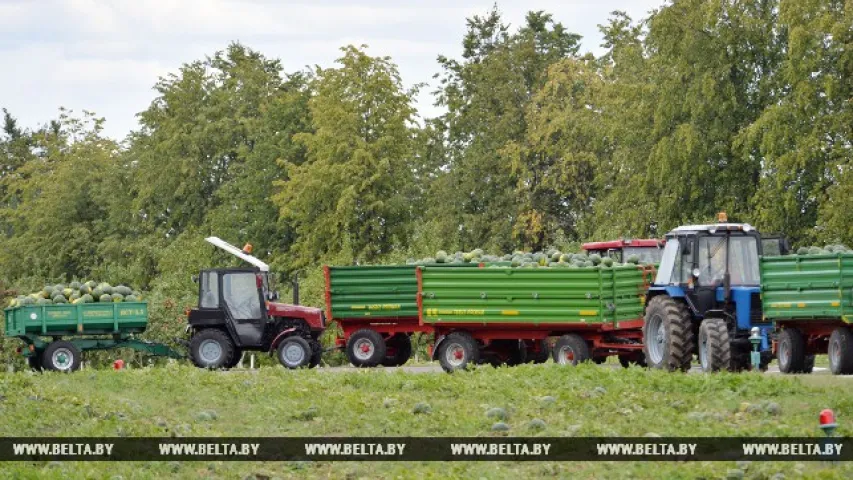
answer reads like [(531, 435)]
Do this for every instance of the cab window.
[(209, 290)]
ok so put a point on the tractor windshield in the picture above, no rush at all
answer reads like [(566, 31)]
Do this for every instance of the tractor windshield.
[(741, 255), (646, 254)]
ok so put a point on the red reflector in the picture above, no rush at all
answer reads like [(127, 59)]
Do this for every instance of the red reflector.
[(19, 350)]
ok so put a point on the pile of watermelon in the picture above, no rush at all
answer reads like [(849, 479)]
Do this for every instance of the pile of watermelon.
[(549, 258), (829, 249), (77, 292)]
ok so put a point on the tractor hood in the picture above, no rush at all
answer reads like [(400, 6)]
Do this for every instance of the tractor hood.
[(312, 316)]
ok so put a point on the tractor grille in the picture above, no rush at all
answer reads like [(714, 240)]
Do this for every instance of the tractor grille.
[(756, 315)]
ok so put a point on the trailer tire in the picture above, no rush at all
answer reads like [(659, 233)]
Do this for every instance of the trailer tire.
[(715, 348), (841, 351), (627, 360), (791, 352), (366, 348), (402, 345), (542, 355), (571, 350), (668, 340), (61, 356), (293, 352), (204, 346), (458, 351), (317, 356), (34, 361)]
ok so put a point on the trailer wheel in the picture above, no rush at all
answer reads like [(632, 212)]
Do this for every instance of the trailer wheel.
[(402, 348), (792, 352), (628, 360), (668, 334), (571, 350), (294, 352), (61, 356), (34, 361), (366, 348), (599, 360), (841, 351), (542, 355), (316, 357), (715, 349), (211, 348), (458, 351)]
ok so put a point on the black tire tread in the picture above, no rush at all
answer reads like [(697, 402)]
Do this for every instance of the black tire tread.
[(302, 342), (378, 346), (48, 352), (578, 344), (681, 336), (719, 344), (844, 366), (797, 363), (228, 347), (472, 350)]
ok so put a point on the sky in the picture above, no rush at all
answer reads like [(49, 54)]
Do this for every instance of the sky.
[(105, 56)]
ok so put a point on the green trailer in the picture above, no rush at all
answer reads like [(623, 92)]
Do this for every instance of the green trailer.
[(809, 299), (376, 308), (498, 313), (56, 335)]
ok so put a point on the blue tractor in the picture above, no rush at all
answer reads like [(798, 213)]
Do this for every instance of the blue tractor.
[(706, 299)]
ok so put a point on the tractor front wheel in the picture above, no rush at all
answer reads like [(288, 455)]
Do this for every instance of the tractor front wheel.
[(715, 349), (235, 358), (366, 348), (667, 334), (211, 348), (294, 352)]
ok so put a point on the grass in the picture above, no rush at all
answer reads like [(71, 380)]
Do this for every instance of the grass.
[(590, 401)]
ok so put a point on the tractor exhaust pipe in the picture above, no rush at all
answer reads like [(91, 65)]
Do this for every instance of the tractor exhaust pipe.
[(296, 289)]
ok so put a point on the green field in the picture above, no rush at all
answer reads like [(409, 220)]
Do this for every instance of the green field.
[(587, 401)]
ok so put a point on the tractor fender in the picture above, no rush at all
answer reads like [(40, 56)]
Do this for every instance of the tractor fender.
[(280, 336)]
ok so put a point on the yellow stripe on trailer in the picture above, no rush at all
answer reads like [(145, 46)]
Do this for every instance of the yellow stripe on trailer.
[(835, 304), (509, 312), (588, 313), (780, 305), (801, 305)]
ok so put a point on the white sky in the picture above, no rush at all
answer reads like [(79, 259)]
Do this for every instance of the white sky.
[(106, 55)]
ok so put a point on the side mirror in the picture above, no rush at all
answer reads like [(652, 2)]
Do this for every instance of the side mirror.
[(194, 278)]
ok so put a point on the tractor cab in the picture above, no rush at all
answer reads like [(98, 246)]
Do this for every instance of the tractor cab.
[(237, 311), (706, 298)]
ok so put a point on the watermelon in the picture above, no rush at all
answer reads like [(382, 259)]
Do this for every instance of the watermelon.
[(97, 292), (131, 298), (595, 258), (60, 299), (87, 298), (105, 298), (117, 297), (75, 285)]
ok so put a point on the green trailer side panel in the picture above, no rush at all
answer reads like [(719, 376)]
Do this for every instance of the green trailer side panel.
[(535, 296), (79, 319), (803, 287), (373, 292)]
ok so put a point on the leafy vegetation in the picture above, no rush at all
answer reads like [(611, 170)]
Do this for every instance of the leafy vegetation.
[(540, 400)]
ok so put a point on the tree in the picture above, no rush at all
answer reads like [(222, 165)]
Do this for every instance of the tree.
[(486, 95), (353, 193)]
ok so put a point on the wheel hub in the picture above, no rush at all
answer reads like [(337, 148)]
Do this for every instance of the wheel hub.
[(62, 359), (455, 355), (364, 349), (294, 354), (210, 351)]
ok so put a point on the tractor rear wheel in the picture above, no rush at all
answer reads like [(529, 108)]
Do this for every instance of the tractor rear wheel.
[(571, 350), (211, 348), (458, 351), (792, 352), (401, 345), (293, 352), (366, 348), (841, 351), (667, 334), (61, 356), (715, 349), (235, 358)]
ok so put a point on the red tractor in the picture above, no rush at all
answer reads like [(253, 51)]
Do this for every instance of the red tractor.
[(648, 250), (237, 311)]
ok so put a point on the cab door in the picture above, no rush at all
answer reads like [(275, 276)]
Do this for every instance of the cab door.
[(241, 297)]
